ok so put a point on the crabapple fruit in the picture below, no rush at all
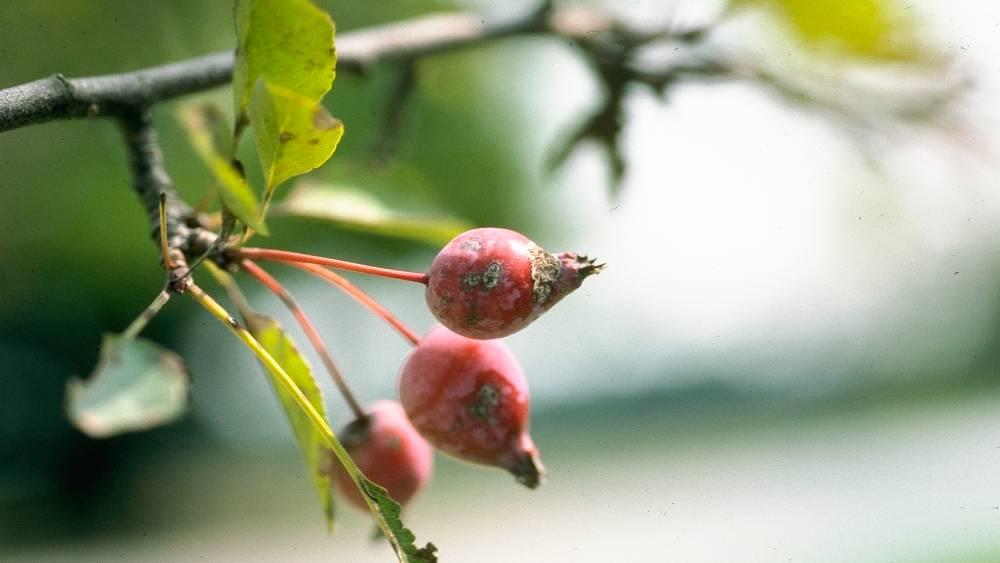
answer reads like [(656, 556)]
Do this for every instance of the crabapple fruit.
[(470, 400), (489, 283), (389, 451)]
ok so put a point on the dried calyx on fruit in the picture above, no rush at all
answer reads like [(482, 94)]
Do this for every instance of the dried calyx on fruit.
[(469, 398), (490, 282), (389, 451)]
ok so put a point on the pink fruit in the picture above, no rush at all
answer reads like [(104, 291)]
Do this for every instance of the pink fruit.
[(389, 451), (470, 400), (489, 283)]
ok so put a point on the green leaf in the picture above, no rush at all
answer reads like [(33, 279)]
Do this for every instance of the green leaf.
[(402, 540), (289, 43), (358, 210), (871, 29), (280, 346), (233, 188), (294, 134), (137, 385)]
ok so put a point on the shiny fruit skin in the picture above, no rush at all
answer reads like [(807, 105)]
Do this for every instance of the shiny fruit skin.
[(483, 283), (469, 398)]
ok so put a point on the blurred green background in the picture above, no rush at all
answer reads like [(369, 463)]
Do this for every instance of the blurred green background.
[(792, 356)]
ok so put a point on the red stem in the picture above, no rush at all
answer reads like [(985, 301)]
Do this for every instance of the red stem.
[(312, 334), (362, 297), (299, 258)]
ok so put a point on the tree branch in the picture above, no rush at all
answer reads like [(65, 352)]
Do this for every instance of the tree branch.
[(58, 97), (149, 180)]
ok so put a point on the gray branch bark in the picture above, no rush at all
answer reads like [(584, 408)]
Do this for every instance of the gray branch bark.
[(58, 97), (150, 179)]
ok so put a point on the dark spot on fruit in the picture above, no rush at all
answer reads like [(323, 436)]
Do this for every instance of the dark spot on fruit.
[(285, 137), (487, 400), (472, 319), (313, 141), (470, 281), (492, 275)]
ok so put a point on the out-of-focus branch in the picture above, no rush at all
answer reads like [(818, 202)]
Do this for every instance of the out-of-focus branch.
[(58, 97), (608, 45)]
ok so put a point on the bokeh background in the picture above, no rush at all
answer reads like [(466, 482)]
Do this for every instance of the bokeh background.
[(793, 354)]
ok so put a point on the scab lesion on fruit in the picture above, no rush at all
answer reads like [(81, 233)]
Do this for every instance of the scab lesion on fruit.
[(487, 400), (470, 281), (487, 279), (492, 275), (545, 270)]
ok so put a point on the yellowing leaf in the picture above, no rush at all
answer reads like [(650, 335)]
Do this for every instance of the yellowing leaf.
[(294, 134), (358, 210), (233, 187), (280, 346), (289, 43), (137, 385)]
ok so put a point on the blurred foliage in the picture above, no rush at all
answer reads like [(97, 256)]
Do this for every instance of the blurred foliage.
[(878, 30), (137, 385), (202, 122), (355, 207)]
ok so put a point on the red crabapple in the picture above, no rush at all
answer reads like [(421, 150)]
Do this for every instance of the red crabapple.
[(469, 399), (389, 451), (489, 283)]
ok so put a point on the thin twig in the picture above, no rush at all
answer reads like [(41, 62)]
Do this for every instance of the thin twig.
[(147, 315)]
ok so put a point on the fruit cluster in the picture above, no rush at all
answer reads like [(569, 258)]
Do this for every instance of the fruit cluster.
[(461, 389)]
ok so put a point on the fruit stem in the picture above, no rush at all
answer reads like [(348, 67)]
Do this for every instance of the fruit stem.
[(318, 421), (299, 258), (363, 298), (147, 315), (275, 287)]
